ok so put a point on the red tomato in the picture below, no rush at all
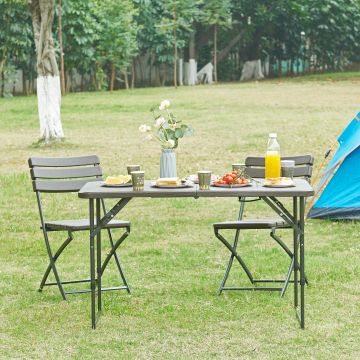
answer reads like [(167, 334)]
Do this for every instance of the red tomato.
[(235, 172), (233, 176)]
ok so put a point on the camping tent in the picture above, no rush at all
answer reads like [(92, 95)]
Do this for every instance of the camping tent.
[(340, 182)]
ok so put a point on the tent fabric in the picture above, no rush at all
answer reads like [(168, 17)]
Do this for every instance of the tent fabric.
[(340, 198)]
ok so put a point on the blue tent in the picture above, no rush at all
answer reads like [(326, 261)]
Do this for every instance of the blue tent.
[(340, 182)]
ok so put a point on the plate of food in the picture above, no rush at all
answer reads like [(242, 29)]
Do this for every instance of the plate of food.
[(281, 182), (232, 180), (117, 181), (171, 183)]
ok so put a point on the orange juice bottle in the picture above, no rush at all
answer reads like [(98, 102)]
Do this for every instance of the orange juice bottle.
[(272, 157)]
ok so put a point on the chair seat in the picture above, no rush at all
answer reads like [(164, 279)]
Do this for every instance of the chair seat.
[(82, 224), (251, 224)]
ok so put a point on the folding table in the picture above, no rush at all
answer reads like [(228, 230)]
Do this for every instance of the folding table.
[(94, 192)]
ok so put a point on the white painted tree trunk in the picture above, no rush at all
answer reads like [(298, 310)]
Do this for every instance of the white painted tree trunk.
[(48, 81), (252, 70), (205, 75), (190, 69), (49, 100)]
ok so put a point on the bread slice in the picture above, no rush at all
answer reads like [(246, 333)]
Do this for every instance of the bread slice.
[(168, 181)]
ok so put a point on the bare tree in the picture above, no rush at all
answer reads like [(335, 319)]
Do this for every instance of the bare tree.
[(48, 80)]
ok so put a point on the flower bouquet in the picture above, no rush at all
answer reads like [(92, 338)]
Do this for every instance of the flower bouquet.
[(167, 130)]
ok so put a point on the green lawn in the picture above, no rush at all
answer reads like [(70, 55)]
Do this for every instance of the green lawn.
[(172, 260)]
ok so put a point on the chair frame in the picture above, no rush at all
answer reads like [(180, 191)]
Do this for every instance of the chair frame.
[(255, 167), (60, 170)]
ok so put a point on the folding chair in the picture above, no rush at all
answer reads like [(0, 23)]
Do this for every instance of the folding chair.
[(65, 175), (255, 168)]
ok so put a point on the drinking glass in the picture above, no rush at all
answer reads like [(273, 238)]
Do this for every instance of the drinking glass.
[(204, 177), (131, 168), (287, 168), (137, 178)]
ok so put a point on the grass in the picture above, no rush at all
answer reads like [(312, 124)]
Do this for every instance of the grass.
[(172, 260)]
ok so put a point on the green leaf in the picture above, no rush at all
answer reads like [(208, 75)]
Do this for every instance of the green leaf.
[(179, 133)]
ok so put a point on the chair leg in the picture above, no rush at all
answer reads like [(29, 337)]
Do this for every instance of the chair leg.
[(57, 254), (232, 249), (286, 249), (112, 252), (52, 263)]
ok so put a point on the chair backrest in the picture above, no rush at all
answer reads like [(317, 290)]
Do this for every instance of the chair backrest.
[(65, 174), (255, 166)]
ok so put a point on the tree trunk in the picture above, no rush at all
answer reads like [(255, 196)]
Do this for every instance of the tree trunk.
[(62, 71), (175, 50), (215, 53), (225, 52), (112, 80), (126, 79), (2, 77), (67, 81), (48, 81), (132, 74), (23, 78), (2, 88)]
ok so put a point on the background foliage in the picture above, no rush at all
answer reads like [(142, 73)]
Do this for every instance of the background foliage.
[(291, 36)]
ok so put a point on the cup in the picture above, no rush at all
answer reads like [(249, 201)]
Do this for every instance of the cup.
[(204, 177), (240, 168), (287, 168), (131, 168), (137, 178)]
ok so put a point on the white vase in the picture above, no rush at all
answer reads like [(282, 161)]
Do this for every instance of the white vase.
[(167, 163)]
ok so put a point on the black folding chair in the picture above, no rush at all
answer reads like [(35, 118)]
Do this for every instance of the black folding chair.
[(255, 168), (64, 175)]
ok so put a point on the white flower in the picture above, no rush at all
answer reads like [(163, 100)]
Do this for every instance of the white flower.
[(164, 104), (170, 143), (160, 121), (144, 128)]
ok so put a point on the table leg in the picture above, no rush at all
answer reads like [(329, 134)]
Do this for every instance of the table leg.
[(98, 252), (295, 235), (92, 263), (302, 263)]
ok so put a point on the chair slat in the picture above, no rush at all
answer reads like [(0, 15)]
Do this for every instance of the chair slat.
[(59, 186), (299, 160), (300, 171), (64, 173), (64, 161)]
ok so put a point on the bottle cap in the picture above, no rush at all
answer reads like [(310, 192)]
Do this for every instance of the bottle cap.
[(272, 135)]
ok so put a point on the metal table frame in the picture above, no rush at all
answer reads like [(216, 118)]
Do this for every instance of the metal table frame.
[(94, 193)]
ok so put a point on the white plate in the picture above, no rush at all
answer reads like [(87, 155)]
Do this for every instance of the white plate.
[(230, 186), (180, 186), (279, 185), (128, 184)]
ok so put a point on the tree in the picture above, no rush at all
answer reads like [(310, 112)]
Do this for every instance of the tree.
[(15, 40), (48, 80), (155, 42), (216, 13), (333, 31), (117, 35), (79, 33), (179, 16)]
